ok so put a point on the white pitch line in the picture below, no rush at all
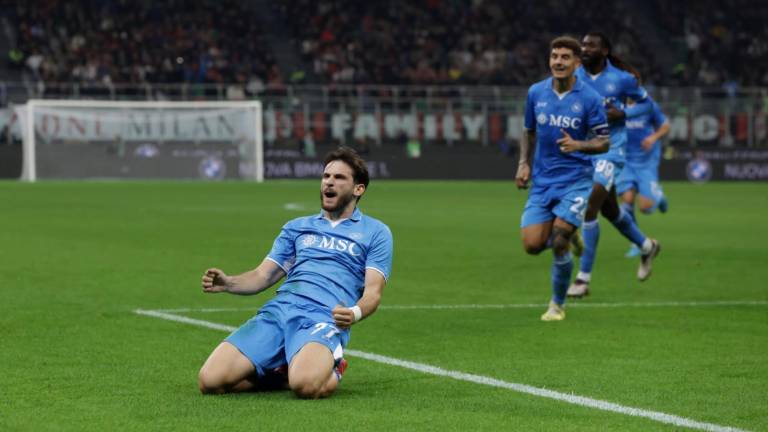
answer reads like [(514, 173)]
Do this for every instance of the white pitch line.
[(493, 382), (572, 304)]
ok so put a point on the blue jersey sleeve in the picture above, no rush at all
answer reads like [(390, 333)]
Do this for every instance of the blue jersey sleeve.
[(597, 119), (530, 115), (633, 90), (380, 254), (283, 251), (657, 118)]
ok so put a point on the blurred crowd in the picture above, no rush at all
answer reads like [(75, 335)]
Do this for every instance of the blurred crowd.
[(726, 41), (122, 41), (451, 41), (425, 42)]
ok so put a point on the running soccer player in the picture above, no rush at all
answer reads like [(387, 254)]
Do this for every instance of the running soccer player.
[(335, 264), (639, 180), (561, 113), (616, 81)]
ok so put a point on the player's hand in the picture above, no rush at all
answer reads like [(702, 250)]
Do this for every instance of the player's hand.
[(647, 143), (215, 281), (568, 144), (614, 114), (523, 175), (343, 316)]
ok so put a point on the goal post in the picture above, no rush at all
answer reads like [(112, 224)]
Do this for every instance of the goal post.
[(92, 139)]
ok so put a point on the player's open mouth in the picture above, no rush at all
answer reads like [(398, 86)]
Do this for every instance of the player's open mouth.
[(329, 194)]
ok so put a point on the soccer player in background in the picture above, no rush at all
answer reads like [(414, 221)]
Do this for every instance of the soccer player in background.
[(335, 264), (616, 81), (639, 180), (560, 113)]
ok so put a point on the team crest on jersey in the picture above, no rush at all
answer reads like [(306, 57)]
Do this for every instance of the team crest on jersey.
[(309, 240), (542, 119), (356, 235), (610, 88), (576, 107)]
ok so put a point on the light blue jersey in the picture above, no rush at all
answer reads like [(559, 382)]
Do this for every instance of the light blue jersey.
[(327, 263), (615, 86), (561, 181), (579, 112), (638, 129)]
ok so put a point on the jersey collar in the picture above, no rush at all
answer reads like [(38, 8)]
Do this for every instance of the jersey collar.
[(356, 215)]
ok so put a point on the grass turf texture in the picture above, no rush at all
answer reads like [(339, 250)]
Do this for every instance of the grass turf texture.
[(78, 258)]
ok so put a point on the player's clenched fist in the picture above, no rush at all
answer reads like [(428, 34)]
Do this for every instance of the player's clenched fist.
[(215, 280)]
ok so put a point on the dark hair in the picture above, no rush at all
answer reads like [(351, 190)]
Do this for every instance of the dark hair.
[(351, 158), (566, 42), (616, 61)]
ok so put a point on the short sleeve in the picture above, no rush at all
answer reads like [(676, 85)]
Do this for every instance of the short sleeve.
[(380, 253), (283, 251), (530, 115)]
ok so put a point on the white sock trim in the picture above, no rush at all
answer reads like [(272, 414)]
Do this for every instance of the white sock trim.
[(647, 246), (584, 276)]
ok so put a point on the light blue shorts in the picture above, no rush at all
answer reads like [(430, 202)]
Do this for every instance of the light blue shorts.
[(565, 201), (606, 172), (282, 327), (642, 178)]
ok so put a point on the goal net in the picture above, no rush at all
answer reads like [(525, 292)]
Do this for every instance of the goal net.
[(86, 139)]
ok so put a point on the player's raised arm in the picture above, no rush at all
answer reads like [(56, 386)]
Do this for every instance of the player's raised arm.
[(368, 303), (252, 282)]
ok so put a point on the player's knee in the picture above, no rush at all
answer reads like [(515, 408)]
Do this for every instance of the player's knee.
[(209, 383), (307, 389), (533, 248), (646, 206), (560, 242)]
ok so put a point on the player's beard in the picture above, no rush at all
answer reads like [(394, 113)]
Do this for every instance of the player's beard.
[(342, 201)]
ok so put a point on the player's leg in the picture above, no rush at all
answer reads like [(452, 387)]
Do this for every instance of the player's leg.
[(590, 233), (310, 374), (569, 214), (536, 222), (227, 370), (314, 349), (649, 247), (627, 186), (247, 356)]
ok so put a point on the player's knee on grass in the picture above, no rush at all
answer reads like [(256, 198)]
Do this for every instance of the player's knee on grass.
[(310, 386), (210, 383)]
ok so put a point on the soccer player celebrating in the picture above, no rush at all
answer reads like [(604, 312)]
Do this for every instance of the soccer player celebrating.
[(560, 113), (335, 264), (616, 81), (639, 180)]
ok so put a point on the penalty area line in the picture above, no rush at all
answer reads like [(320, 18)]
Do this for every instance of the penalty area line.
[(484, 380)]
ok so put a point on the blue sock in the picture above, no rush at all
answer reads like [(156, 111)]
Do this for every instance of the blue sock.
[(628, 228), (630, 210), (590, 232), (562, 266)]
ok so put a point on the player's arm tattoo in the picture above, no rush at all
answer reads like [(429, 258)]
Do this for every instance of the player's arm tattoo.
[(598, 144), (527, 145)]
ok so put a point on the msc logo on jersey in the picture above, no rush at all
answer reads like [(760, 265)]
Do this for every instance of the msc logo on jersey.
[(332, 243), (542, 119), (212, 167), (562, 121), (576, 107), (308, 240), (699, 170)]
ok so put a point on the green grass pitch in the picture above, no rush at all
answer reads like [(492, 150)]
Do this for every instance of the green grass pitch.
[(79, 257)]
